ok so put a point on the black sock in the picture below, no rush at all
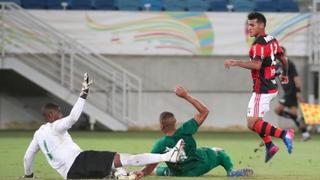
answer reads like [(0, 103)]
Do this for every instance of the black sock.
[(268, 145), (304, 129), (293, 117)]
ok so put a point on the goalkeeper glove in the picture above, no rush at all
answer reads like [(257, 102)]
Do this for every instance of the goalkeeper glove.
[(85, 86)]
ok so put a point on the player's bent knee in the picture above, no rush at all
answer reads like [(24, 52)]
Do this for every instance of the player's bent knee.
[(116, 161), (251, 122)]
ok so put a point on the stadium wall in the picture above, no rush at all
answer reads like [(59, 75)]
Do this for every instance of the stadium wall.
[(225, 92), (174, 33)]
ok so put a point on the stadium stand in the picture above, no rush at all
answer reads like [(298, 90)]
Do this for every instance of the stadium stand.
[(15, 1), (266, 5), (127, 5), (155, 5), (103, 4), (288, 6), (197, 5), (174, 5), (79, 4), (243, 5), (217, 5), (165, 5), (35, 4), (54, 4)]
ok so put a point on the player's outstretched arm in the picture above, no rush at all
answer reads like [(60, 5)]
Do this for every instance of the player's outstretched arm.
[(28, 159), (67, 122), (203, 111), (252, 65)]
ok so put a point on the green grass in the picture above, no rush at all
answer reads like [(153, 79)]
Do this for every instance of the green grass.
[(304, 163)]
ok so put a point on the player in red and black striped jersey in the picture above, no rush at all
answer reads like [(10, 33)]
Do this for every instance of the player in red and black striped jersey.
[(264, 50), (263, 54)]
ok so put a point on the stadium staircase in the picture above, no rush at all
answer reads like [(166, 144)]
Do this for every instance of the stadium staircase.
[(56, 63)]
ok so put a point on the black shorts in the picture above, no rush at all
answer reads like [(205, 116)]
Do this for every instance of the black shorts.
[(289, 101), (91, 165)]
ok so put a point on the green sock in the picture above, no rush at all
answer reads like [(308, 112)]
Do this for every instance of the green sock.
[(225, 161)]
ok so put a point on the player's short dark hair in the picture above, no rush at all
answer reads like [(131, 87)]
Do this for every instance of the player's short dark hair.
[(166, 115), (259, 16), (167, 120), (283, 49), (50, 106)]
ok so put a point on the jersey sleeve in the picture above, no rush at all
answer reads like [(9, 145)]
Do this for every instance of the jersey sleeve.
[(190, 127), (29, 156), (158, 147), (278, 50), (67, 122)]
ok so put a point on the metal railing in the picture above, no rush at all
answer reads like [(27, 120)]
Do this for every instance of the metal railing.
[(60, 58)]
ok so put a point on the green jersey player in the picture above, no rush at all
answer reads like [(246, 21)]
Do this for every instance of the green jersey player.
[(197, 161)]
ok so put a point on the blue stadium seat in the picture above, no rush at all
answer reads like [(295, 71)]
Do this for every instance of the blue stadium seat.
[(217, 5), (79, 4), (55, 4), (197, 5), (34, 4), (174, 5), (128, 5), (288, 6), (267, 5), (243, 5), (155, 5), (14, 1), (103, 4)]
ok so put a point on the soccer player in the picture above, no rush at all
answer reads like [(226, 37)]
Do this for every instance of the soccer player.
[(68, 159), (263, 53), (288, 104), (197, 161)]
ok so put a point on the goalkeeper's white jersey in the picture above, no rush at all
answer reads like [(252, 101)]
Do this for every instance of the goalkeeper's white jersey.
[(56, 143)]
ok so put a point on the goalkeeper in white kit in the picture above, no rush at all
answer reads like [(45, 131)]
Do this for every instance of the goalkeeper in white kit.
[(66, 157)]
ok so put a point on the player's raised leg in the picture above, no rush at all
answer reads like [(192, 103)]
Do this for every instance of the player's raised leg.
[(258, 106), (174, 155)]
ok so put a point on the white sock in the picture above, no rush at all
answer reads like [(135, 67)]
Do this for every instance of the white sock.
[(306, 134), (142, 159)]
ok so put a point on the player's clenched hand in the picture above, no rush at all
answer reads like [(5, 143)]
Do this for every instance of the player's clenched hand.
[(181, 91), (284, 79), (139, 174), (228, 63), (299, 97)]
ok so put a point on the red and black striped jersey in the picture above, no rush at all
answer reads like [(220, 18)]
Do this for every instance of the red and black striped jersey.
[(265, 48)]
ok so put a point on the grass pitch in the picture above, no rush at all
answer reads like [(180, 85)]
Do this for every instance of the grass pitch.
[(304, 163)]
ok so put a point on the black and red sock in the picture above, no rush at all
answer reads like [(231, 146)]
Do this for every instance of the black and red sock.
[(267, 140), (266, 129)]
